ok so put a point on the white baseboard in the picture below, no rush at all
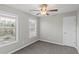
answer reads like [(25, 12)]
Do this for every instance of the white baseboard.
[(34, 42), (22, 47), (57, 43), (51, 42)]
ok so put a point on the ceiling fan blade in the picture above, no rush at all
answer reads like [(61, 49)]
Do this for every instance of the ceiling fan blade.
[(47, 14), (37, 13), (53, 10), (34, 10)]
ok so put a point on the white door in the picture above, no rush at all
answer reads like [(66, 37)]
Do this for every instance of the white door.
[(69, 31)]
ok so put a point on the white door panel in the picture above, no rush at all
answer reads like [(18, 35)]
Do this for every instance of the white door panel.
[(69, 31)]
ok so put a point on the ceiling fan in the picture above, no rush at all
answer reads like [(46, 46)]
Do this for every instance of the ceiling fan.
[(44, 10)]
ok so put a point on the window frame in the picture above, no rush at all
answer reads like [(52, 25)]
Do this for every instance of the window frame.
[(3, 43), (35, 21)]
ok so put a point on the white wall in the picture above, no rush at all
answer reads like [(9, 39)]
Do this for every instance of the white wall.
[(51, 27), (23, 29)]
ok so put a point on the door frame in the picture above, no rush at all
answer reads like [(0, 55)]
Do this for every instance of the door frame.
[(76, 30)]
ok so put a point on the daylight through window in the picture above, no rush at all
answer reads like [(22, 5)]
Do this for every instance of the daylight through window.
[(7, 28)]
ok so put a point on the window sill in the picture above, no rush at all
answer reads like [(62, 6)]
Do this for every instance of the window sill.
[(5, 43)]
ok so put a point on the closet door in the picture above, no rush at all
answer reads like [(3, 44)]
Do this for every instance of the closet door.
[(69, 31)]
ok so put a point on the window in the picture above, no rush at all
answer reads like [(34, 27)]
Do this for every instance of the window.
[(32, 28), (7, 27)]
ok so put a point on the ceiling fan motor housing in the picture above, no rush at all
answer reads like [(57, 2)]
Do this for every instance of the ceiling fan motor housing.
[(43, 9)]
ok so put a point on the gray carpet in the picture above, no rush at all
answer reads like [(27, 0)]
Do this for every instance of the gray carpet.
[(41, 47)]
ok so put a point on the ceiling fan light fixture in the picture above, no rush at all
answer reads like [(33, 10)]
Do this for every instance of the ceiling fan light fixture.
[(43, 9), (43, 12)]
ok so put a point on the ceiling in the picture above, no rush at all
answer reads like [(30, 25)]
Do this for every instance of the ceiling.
[(62, 8)]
